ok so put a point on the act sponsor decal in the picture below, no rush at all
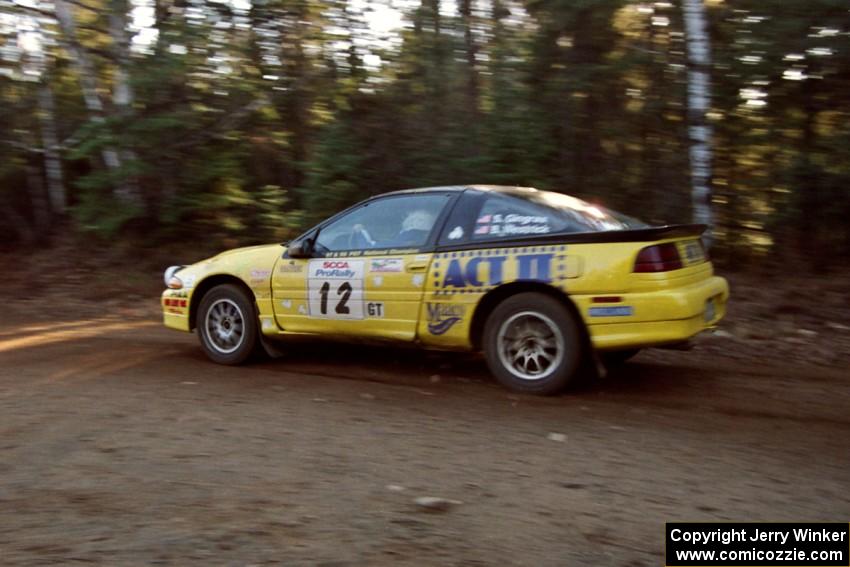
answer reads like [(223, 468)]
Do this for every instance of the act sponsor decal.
[(619, 311), (458, 273), (474, 271), (443, 316), (386, 265)]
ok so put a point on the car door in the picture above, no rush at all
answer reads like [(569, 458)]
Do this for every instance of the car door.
[(366, 273)]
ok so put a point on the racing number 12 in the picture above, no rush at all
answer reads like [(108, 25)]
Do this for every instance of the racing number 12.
[(343, 290)]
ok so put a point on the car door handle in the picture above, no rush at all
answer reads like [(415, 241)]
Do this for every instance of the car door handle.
[(417, 267)]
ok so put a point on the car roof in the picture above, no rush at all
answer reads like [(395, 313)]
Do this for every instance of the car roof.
[(508, 189)]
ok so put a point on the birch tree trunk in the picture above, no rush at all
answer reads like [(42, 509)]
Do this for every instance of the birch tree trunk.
[(38, 201), (88, 84), (699, 98), (122, 91), (52, 161)]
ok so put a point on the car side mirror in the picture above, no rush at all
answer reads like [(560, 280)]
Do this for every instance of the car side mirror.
[(300, 249)]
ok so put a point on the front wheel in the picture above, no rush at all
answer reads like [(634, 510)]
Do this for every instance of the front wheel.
[(532, 344), (227, 325)]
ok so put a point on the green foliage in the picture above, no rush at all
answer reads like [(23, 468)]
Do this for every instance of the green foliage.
[(250, 125)]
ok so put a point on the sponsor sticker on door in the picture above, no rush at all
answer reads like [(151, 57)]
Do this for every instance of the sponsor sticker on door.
[(386, 265)]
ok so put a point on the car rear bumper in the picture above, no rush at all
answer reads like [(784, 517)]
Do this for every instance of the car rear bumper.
[(655, 318)]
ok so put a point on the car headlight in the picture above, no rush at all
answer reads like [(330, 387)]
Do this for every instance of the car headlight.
[(171, 280)]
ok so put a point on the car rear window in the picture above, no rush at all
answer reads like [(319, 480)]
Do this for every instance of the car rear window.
[(544, 212)]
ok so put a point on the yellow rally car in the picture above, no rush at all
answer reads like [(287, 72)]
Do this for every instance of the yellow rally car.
[(539, 281)]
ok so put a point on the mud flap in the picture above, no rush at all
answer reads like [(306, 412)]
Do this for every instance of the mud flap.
[(599, 367), (270, 348)]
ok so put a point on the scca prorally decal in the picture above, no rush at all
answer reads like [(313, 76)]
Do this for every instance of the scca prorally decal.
[(619, 311), (443, 316), (336, 269)]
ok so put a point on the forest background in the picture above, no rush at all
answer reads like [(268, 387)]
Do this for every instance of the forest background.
[(152, 124)]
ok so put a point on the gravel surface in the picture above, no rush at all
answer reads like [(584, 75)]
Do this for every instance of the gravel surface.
[(120, 444)]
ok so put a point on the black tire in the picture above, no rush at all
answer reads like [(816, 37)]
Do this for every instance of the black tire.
[(227, 325), (546, 331), (615, 358)]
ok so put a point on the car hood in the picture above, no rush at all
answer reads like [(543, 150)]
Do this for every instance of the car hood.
[(245, 249)]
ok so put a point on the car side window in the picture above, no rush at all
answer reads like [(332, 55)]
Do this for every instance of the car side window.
[(404, 221), (508, 217)]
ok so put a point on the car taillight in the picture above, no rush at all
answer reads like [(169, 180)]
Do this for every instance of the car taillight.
[(658, 258)]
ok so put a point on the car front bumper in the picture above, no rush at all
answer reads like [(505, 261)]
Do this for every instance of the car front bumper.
[(175, 309)]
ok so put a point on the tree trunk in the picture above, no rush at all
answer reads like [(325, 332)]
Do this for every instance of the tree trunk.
[(699, 97), (88, 85), (472, 86), (38, 201), (52, 161), (122, 92)]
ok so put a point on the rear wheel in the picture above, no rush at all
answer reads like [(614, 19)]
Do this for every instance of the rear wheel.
[(227, 325), (532, 344)]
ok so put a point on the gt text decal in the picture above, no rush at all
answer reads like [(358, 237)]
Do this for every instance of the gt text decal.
[(375, 309), (335, 289)]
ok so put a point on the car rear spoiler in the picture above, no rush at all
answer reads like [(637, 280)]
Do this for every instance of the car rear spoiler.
[(648, 234), (651, 233)]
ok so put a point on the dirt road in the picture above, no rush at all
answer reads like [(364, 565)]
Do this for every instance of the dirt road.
[(121, 445)]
